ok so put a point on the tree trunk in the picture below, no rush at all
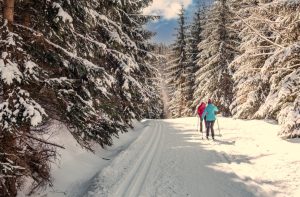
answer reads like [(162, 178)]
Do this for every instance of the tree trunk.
[(8, 12), (7, 146), (26, 15), (181, 97)]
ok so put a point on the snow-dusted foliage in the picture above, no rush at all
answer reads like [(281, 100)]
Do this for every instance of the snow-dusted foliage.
[(160, 63), (213, 79), (83, 63), (178, 71), (21, 151), (195, 37), (249, 89), (143, 94), (267, 72), (282, 69)]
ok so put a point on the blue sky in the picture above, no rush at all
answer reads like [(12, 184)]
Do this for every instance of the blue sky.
[(168, 10)]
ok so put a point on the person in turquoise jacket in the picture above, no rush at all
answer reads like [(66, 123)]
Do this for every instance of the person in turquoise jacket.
[(210, 115)]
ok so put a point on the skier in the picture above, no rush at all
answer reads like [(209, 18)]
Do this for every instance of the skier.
[(200, 111), (210, 114)]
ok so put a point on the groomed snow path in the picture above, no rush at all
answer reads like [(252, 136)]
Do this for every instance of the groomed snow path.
[(170, 158)]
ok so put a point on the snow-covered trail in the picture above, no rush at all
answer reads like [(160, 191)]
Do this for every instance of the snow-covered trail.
[(170, 158)]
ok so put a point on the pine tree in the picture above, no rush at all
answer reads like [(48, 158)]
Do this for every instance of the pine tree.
[(142, 79), (281, 71), (195, 38), (213, 79), (161, 51), (266, 73), (177, 70), (249, 89), (83, 63)]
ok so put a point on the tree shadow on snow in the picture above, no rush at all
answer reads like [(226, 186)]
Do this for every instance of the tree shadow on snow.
[(224, 142), (209, 162), (294, 140)]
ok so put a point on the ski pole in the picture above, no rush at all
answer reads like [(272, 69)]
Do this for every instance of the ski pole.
[(219, 128), (202, 128), (197, 124)]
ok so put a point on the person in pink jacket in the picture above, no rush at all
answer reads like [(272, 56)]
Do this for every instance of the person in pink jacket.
[(200, 111)]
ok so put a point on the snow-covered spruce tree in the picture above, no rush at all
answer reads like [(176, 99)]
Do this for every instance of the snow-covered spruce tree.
[(153, 108), (106, 67), (169, 85), (163, 52), (160, 63), (217, 50), (72, 63), (195, 31), (75, 88), (177, 70), (282, 68), (249, 89), (267, 72), (140, 78), (22, 152)]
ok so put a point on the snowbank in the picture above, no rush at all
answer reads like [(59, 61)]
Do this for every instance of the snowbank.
[(77, 166)]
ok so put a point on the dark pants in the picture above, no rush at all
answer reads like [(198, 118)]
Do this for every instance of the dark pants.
[(210, 126), (201, 125)]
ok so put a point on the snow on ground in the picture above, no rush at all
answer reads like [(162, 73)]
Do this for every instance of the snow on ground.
[(170, 158), (78, 166)]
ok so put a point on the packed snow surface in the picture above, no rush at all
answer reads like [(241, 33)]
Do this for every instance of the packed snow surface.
[(169, 158)]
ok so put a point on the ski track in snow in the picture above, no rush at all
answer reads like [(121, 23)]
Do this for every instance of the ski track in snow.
[(136, 177), (170, 159)]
